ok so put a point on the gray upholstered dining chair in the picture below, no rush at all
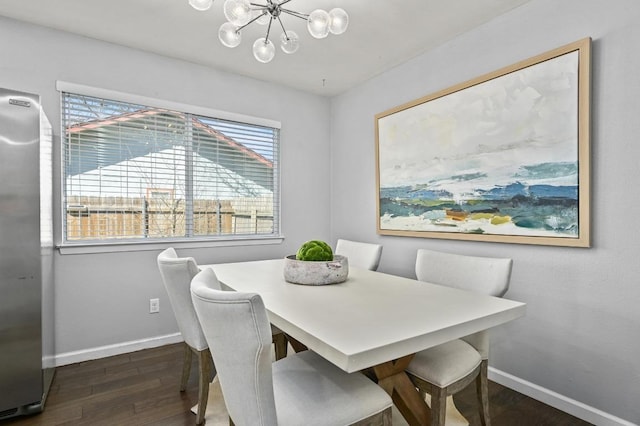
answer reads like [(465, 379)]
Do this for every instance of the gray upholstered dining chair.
[(360, 255), (448, 368), (177, 273), (302, 388)]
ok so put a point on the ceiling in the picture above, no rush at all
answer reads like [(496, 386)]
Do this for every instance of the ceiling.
[(381, 34)]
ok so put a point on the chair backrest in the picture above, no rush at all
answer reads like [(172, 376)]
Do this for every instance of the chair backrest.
[(485, 275), (177, 273), (239, 335), (360, 255)]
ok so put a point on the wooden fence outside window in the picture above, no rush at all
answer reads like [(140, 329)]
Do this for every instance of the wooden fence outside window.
[(90, 218)]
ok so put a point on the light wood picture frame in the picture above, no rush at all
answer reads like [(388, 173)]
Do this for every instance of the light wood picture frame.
[(504, 157)]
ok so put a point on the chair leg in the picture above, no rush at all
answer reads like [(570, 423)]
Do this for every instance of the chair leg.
[(204, 362), (438, 406), (280, 343), (482, 391), (186, 368)]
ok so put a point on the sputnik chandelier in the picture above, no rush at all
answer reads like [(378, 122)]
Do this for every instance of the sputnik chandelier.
[(241, 13)]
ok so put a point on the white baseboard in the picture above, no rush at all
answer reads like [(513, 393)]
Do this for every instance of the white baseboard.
[(48, 361), (116, 349), (554, 399)]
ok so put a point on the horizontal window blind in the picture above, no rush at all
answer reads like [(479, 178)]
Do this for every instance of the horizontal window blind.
[(135, 172)]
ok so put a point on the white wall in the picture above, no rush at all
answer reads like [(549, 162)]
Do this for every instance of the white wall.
[(581, 335), (103, 299)]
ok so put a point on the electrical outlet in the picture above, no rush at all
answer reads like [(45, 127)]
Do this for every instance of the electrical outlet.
[(154, 306)]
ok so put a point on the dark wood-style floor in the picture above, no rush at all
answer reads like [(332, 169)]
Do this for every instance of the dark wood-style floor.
[(141, 388)]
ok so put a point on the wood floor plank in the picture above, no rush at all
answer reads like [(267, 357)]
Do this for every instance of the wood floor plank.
[(142, 388)]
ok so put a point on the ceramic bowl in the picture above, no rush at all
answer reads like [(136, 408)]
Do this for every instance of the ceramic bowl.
[(316, 273)]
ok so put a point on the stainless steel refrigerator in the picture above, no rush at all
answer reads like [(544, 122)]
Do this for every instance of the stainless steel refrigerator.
[(22, 382)]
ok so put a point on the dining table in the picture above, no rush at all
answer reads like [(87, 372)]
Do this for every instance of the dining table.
[(373, 321)]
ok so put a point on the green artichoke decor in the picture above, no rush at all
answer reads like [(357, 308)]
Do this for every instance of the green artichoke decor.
[(315, 250)]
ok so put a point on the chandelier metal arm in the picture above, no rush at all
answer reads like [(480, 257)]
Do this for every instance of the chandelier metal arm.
[(284, 31), (252, 21), (294, 13), (266, 38)]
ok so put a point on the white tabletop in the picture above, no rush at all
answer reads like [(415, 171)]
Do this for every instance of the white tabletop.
[(372, 317)]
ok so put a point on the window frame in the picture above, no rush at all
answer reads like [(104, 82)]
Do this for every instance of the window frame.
[(116, 245)]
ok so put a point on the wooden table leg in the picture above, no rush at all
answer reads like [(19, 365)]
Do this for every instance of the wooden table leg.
[(393, 379), (296, 345)]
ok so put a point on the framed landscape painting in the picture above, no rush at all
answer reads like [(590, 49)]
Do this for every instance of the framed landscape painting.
[(502, 158)]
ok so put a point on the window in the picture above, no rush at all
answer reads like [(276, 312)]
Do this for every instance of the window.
[(133, 172)]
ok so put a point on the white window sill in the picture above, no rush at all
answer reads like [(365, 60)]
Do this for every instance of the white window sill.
[(131, 246)]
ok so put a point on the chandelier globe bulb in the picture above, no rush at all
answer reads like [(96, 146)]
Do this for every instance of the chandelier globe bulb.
[(339, 21), (289, 42), (263, 50), (318, 23), (229, 35), (238, 12)]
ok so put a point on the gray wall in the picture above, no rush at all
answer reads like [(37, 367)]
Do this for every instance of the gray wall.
[(581, 334), (103, 299)]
